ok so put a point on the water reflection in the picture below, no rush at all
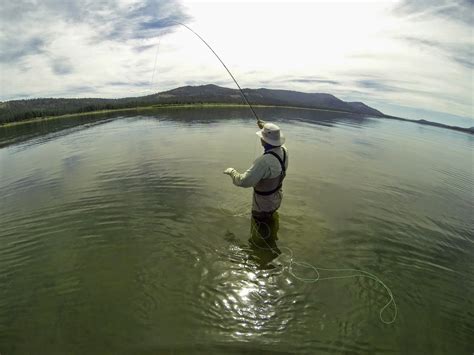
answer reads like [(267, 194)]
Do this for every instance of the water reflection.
[(50, 129), (247, 295)]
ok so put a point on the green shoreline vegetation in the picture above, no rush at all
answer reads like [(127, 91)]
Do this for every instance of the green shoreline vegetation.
[(206, 96), (32, 111), (213, 105), (152, 107)]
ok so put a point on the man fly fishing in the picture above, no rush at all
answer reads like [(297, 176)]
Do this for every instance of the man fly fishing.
[(266, 177), (267, 172)]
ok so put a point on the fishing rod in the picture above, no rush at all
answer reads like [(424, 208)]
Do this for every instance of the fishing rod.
[(233, 78)]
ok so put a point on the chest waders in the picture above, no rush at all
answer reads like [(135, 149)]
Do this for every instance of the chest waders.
[(266, 187)]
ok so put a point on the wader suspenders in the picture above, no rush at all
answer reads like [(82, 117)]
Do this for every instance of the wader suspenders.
[(282, 175)]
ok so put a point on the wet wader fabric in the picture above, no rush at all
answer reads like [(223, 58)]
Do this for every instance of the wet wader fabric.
[(265, 226)]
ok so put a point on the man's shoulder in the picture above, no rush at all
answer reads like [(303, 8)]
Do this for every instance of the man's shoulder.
[(280, 151), (260, 160)]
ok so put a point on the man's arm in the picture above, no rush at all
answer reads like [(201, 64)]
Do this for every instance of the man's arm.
[(251, 177)]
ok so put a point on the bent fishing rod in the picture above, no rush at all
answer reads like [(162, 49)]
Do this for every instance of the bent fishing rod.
[(259, 122)]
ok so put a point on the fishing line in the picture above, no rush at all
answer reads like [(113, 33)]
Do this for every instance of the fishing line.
[(255, 230), (242, 211), (154, 67), (233, 78)]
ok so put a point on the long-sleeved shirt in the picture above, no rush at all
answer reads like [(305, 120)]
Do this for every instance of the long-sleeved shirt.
[(264, 167)]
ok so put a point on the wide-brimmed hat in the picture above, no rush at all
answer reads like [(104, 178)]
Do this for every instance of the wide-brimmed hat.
[(271, 134)]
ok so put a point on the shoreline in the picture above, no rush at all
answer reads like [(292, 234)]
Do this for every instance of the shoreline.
[(422, 122), (218, 105), (157, 107)]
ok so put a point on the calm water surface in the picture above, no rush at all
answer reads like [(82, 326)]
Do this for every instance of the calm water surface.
[(122, 235)]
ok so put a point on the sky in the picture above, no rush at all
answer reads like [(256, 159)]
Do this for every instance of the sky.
[(408, 58)]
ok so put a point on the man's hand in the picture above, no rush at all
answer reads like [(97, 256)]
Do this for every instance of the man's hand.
[(229, 171), (260, 123)]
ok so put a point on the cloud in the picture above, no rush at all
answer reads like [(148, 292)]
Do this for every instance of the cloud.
[(376, 85), (466, 60), (143, 48), (15, 48), (146, 19), (317, 81), (460, 11), (291, 80), (128, 84), (76, 48), (27, 27), (460, 53), (61, 66)]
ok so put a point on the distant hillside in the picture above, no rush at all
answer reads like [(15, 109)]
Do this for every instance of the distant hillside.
[(18, 110), (434, 124), (214, 93)]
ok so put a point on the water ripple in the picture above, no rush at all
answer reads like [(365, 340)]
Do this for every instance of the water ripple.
[(125, 236)]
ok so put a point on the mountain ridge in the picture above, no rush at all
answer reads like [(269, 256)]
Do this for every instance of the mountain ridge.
[(265, 96), (18, 110)]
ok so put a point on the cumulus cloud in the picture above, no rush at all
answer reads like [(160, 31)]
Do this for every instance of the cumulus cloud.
[(80, 47), (31, 28)]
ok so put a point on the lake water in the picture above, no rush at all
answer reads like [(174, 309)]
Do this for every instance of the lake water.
[(120, 234)]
